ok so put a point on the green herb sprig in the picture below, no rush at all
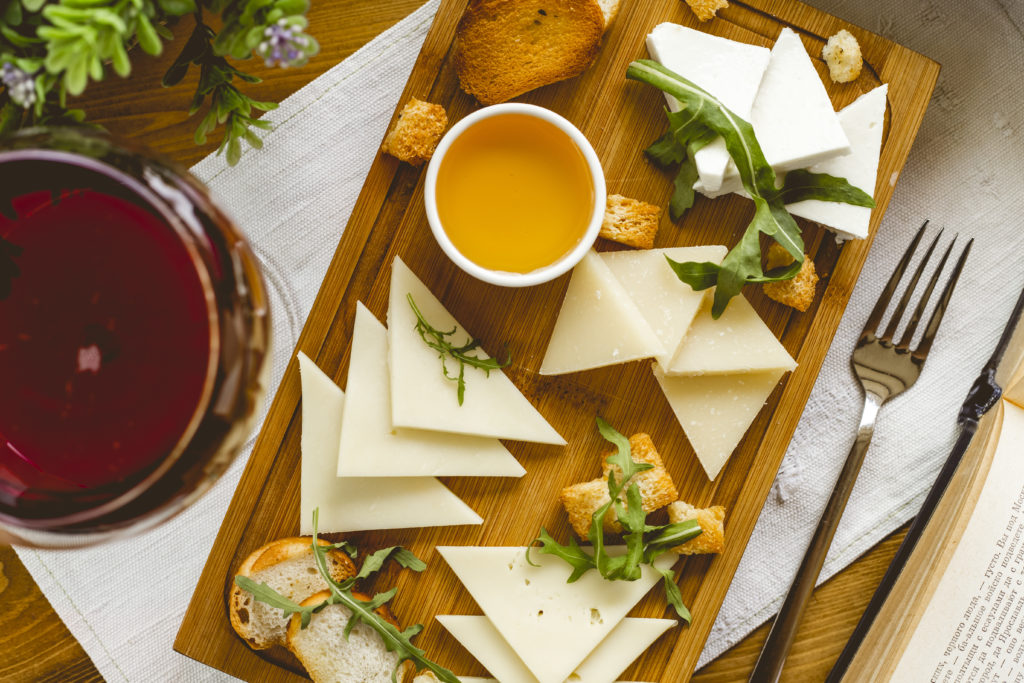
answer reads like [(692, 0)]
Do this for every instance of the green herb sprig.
[(702, 118), (644, 543), (361, 610), (438, 340)]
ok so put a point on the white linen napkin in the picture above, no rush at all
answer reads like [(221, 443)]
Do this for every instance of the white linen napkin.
[(294, 197)]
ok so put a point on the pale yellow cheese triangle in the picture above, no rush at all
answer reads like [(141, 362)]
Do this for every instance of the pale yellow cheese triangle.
[(551, 625), (738, 341), (359, 504), (370, 447), (667, 304), (421, 396), (598, 323), (621, 646), (715, 411)]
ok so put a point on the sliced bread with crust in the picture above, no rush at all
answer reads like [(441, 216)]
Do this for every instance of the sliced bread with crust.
[(504, 48), (287, 565), (330, 657)]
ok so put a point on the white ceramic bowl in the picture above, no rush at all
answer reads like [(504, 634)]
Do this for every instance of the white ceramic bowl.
[(505, 278)]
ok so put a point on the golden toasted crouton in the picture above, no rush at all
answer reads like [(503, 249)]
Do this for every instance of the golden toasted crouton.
[(656, 489), (706, 9), (712, 526), (416, 132), (842, 54), (798, 292), (609, 8), (504, 48), (630, 221)]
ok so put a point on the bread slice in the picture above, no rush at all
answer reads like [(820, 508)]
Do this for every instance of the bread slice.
[(706, 9), (609, 8), (504, 48), (712, 528), (287, 565), (416, 132), (329, 657)]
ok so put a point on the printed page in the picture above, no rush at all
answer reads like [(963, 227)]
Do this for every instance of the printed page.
[(973, 628)]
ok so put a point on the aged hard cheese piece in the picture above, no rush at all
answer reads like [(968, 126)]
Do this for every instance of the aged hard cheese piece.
[(625, 643), (359, 504), (552, 625), (371, 448), (422, 398), (598, 323), (667, 304), (715, 411), (738, 341), (731, 71), (792, 114), (863, 121)]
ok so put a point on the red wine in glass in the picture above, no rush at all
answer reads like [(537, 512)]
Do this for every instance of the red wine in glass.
[(133, 332)]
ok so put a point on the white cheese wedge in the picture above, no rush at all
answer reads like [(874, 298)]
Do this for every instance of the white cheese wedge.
[(715, 411), (731, 71), (348, 504), (598, 323), (371, 448), (738, 341), (863, 120), (625, 643), (550, 624), (481, 679), (667, 304), (422, 398)]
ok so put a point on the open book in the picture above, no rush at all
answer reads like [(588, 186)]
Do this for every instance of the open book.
[(957, 611)]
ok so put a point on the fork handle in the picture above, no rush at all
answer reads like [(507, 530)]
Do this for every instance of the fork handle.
[(776, 648)]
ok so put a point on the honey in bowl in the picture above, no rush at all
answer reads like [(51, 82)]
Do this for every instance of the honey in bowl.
[(514, 193)]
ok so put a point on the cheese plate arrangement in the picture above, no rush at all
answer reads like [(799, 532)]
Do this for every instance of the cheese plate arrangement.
[(545, 449)]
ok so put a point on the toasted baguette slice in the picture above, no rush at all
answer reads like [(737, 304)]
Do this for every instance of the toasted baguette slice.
[(329, 657), (712, 527), (286, 565), (504, 48)]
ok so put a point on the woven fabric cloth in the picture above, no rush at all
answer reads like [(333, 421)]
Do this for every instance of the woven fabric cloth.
[(294, 197)]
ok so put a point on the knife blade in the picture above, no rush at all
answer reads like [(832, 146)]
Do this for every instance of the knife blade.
[(983, 395)]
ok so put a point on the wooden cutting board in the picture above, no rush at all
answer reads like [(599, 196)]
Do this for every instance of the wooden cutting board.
[(620, 118)]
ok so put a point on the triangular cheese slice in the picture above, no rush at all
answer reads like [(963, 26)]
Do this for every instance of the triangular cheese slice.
[(481, 679), (863, 122), (623, 644), (421, 397), (738, 341), (715, 411), (371, 448), (598, 323), (361, 504), (667, 304), (550, 624)]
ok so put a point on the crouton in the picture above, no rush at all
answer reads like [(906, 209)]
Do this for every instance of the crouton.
[(842, 54), (706, 9), (504, 48), (712, 526), (630, 221), (416, 132), (609, 8), (656, 489), (798, 292)]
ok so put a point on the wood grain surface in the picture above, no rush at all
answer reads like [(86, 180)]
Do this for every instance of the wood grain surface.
[(141, 109)]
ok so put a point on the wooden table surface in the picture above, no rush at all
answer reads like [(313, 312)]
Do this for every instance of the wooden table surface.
[(36, 646)]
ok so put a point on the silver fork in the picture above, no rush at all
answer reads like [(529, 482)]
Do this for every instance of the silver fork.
[(885, 369)]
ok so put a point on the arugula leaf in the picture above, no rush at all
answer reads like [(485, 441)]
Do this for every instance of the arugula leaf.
[(673, 594), (374, 562), (437, 340), (677, 533), (264, 593), (802, 184), (580, 561)]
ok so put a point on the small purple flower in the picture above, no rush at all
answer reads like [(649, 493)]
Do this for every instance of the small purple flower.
[(283, 44), (20, 84)]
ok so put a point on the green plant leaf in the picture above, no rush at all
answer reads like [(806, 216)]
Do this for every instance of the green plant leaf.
[(580, 561), (149, 41), (699, 275), (802, 184), (672, 594)]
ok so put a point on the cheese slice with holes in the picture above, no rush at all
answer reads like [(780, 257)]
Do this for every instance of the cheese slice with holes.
[(666, 303), (621, 646), (422, 398), (359, 504), (716, 411), (863, 122), (370, 447), (738, 341), (598, 323), (550, 624), (727, 69)]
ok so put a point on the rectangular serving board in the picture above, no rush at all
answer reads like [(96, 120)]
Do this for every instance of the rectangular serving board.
[(619, 118)]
